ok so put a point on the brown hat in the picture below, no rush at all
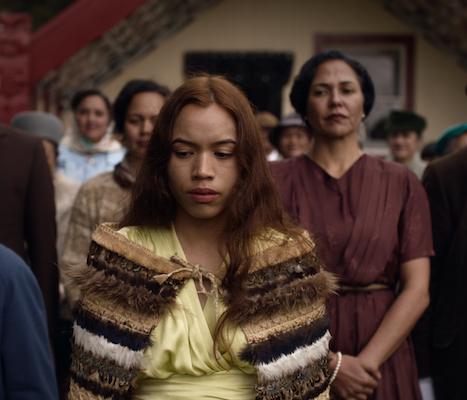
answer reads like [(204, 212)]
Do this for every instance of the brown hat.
[(266, 120)]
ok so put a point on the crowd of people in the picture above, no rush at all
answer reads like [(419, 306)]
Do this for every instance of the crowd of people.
[(183, 244)]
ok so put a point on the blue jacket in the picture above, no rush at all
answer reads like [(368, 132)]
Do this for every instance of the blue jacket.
[(82, 167), (26, 368)]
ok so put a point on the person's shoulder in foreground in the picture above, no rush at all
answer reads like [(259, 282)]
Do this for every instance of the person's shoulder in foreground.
[(26, 367)]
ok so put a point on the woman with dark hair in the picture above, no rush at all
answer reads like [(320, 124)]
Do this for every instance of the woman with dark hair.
[(371, 220), (104, 197), (88, 147), (204, 290)]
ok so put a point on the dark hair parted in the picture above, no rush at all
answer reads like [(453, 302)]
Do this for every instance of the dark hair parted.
[(130, 90), (255, 203), (302, 83), (79, 96)]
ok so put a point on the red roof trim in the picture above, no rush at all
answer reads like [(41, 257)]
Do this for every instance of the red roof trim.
[(75, 27)]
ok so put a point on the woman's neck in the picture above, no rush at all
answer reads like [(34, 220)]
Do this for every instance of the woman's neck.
[(335, 156), (135, 162), (200, 240)]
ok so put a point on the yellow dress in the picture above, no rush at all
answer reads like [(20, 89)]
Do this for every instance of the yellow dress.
[(181, 362)]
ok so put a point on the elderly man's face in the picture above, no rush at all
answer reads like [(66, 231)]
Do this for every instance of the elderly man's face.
[(294, 141), (403, 145)]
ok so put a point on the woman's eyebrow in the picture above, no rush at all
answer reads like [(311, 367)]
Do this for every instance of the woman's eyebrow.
[(181, 141), (226, 141), (328, 85)]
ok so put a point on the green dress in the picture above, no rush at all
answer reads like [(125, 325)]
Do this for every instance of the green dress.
[(181, 362)]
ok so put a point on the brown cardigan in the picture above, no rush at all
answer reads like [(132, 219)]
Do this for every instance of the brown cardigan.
[(99, 199)]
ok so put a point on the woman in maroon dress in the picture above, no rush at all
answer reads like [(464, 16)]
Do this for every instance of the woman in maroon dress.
[(371, 219)]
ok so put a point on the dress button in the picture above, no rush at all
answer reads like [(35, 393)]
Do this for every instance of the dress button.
[(91, 161)]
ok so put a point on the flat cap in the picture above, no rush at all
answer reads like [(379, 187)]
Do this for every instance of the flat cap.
[(42, 124), (403, 120)]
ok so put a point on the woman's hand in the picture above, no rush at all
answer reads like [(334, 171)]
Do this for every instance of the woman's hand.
[(356, 378)]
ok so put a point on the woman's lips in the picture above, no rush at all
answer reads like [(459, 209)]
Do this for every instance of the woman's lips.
[(203, 195), (336, 117)]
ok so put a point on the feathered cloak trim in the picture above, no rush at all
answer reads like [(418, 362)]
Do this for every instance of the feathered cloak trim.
[(126, 289)]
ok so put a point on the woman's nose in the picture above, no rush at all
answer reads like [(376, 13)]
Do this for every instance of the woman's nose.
[(336, 97), (147, 126), (202, 168)]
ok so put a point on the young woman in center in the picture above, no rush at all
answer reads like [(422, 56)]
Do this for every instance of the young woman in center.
[(205, 289)]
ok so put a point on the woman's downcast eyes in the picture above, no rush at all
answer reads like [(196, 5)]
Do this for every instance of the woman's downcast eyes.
[(348, 90), (135, 120), (318, 92), (224, 155), (220, 155), (182, 154), (321, 92)]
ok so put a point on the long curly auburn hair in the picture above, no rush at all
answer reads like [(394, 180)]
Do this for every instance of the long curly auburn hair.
[(254, 207)]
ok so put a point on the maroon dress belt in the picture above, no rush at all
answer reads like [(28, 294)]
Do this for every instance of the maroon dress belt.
[(369, 288)]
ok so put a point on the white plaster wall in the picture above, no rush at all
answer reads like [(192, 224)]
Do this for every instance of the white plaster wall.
[(290, 25)]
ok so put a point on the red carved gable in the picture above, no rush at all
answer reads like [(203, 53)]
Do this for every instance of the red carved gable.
[(14, 64), (78, 25)]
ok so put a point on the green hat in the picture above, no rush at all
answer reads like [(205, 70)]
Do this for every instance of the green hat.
[(445, 141), (405, 121)]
